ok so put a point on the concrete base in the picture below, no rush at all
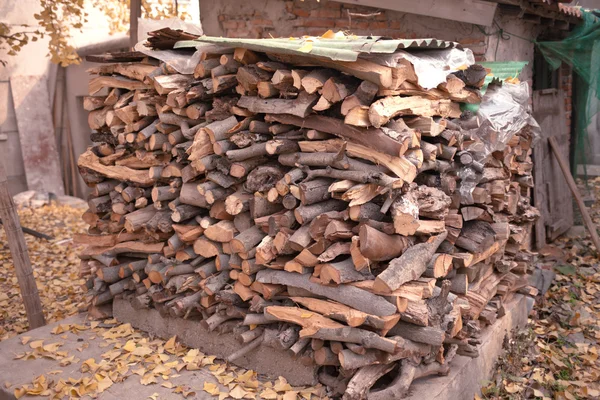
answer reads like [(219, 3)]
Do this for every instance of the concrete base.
[(265, 360), (467, 375)]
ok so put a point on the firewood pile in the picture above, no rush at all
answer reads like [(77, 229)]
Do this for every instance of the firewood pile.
[(310, 205)]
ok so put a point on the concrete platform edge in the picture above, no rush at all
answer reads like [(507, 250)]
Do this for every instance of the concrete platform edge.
[(467, 375)]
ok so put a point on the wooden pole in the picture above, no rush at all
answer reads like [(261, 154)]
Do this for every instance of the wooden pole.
[(591, 227), (18, 250), (135, 12)]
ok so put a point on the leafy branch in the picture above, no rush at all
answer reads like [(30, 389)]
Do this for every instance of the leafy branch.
[(57, 18)]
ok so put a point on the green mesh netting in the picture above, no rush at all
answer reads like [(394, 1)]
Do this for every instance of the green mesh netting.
[(580, 50)]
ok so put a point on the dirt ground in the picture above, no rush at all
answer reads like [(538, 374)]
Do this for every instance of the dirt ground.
[(556, 357)]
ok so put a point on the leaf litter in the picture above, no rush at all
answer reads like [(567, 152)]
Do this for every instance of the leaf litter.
[(55, 268), (130, 354)]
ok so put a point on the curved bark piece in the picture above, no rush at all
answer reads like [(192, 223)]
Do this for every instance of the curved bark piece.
[(364, 379)]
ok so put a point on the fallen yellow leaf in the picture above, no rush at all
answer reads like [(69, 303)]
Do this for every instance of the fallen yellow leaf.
[(211, 388)]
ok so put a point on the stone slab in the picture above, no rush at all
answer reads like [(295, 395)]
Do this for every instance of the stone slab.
[(264, 360), (22, 372), (467, 375)]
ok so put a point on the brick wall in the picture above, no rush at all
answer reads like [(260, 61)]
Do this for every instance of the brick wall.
[(280, 18), (297, 18), (566, 85)]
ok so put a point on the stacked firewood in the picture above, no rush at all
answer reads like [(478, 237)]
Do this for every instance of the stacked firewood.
[(309, 206)]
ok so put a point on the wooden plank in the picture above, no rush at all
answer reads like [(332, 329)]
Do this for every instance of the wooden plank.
[(36, 134), (475, 12), (551, 193), (564, 166), (135, 12), (20, 256)]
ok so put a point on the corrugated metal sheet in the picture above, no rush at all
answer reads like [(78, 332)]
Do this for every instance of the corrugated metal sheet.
[(502, 70), (339, 49)]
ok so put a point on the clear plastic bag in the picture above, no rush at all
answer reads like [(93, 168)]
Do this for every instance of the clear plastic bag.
[(504, 111)]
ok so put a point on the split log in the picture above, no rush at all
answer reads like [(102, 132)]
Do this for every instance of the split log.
[(348, 295), (409, 266), (362, 381), (378, 246)]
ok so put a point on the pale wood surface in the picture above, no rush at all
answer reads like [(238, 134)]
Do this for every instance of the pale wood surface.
[(20, 256)]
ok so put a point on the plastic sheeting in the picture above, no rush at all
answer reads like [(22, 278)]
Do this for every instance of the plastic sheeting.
[(580, 50), (431, 66), (504, 111)]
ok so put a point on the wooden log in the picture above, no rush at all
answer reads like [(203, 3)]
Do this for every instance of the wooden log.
[(315, 79), (348, 315), (409, 372), (378, 246), (439, 266), (247, 240), (421, 334), (324, 356), (381, 111), (363, 96), (362, 381), (372, 138), (300, 107), (350, 296), (305, 214), (476, 236), (341, 272), (222, 231), (411, 265)]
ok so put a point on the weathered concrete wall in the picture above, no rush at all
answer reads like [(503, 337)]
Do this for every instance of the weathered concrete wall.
[(33, 60), (508, 47)]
